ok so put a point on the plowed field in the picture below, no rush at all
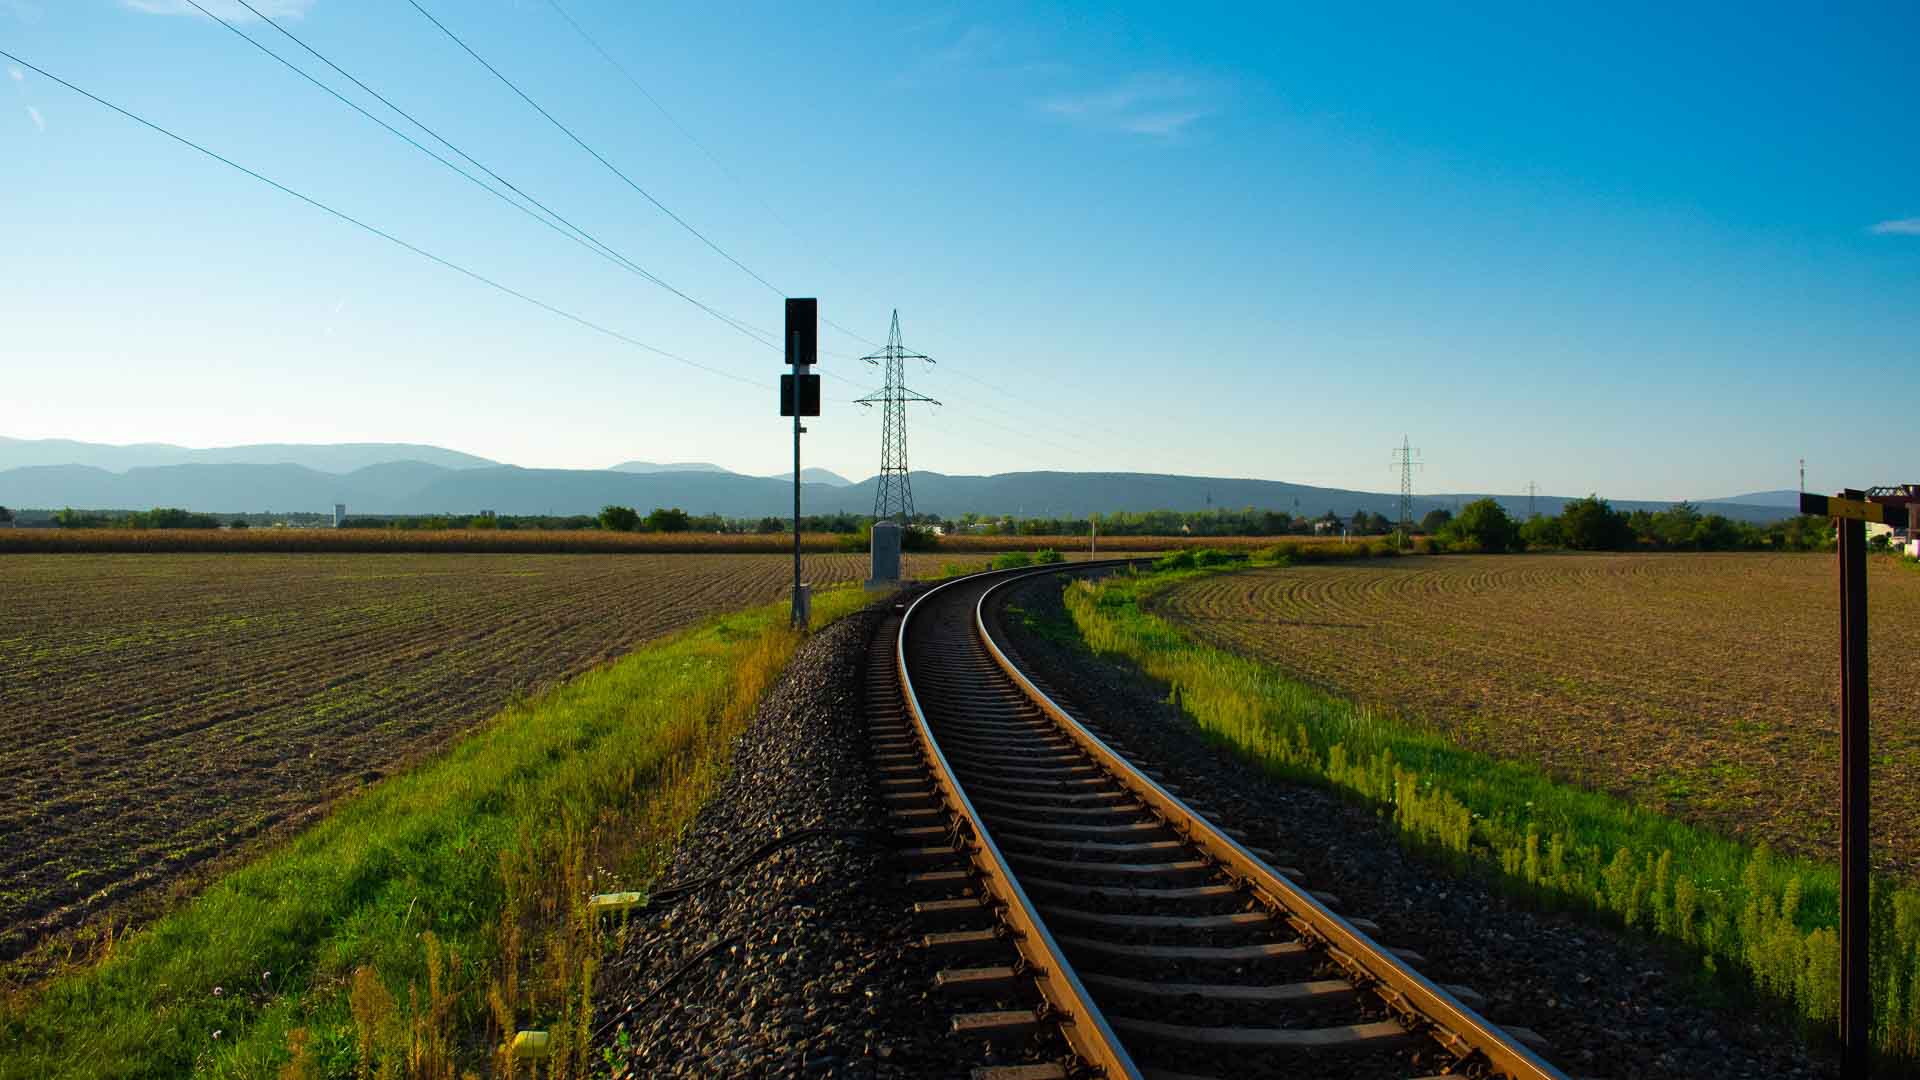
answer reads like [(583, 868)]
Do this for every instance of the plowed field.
[(1705, 685), (156, 710)]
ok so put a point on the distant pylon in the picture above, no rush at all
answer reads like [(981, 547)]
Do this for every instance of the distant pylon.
[(1403, 460), (1531, 489), (893, 498)]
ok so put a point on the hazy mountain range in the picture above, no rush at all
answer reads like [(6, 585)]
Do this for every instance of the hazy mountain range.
[(414, 479)]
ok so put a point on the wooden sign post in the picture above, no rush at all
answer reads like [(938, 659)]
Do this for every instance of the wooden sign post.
[(1850, 512)]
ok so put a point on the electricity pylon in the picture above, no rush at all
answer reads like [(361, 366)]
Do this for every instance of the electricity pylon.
[(893, 498), (1403, 460)]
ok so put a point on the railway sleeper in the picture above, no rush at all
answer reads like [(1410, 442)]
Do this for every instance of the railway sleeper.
[(1047, 1071), (1132, 809), (1375, 1036), (1070, 798)]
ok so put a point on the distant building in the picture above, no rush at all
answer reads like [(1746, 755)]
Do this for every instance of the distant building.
[(339, 515)]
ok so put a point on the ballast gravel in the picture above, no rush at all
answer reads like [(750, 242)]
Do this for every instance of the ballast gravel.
[(1611, 1004), (815, 966)]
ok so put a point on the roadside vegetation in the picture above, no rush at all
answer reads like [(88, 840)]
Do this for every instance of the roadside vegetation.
[(425, 920), (1744, 912)]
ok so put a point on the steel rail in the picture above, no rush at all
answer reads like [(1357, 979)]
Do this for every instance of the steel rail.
[(1421, 1003), (1072, 1007)]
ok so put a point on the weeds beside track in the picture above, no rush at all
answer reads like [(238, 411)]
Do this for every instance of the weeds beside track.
[(1741, 910), (427, 917)]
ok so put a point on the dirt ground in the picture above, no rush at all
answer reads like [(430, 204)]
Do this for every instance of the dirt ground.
[(1703, 684), (157, 711)]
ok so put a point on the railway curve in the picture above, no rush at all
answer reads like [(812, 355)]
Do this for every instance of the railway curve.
[(1158, 944)]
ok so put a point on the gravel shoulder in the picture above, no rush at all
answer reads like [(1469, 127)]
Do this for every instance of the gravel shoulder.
[(818, 969), (1612, 1004)]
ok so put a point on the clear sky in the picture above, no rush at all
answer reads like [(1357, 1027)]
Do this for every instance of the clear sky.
[(1654, 252)]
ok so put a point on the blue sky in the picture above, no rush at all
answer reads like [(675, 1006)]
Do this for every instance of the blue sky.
[(1649, 253)]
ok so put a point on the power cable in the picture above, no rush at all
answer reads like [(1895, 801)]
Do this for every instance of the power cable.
[(381, 233), (582, 144), (711, 156), (585, 238)]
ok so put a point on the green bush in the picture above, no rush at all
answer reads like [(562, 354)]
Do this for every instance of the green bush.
[(1047, 556), (619, 518), (1483, 525), (1178, 560), (1012, 560)]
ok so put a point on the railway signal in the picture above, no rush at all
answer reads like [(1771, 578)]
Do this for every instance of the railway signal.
[(800, 396), (1850, 511)]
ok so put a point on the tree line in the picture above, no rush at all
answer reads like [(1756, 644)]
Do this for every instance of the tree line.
[(1592, 524), (1589, 524)]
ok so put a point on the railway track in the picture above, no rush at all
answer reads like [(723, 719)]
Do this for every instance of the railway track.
[(1068, 888)]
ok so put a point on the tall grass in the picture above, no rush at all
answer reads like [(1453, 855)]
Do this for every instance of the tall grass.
[(415, 928), (1741, 911)]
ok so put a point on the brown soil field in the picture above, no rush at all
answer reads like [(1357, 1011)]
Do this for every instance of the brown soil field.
[(160, 710), (1704, 685)]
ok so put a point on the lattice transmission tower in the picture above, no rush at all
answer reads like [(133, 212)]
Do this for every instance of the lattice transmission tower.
[(894, 496), (1404, 460)]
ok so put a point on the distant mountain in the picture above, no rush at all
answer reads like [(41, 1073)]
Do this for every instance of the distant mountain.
[(321, 457), (418, 487), (810, 475), (678, 466), (1788, 498), (206, 488)]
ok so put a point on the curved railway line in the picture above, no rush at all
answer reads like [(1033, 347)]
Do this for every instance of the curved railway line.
[(1067, 888)]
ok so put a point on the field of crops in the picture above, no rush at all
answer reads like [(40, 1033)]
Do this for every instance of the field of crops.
[(1706, 685), (158, 710)]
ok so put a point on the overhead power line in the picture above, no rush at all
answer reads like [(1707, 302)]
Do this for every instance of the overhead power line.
[(597, 156), (577, 234), (690, 137), (375, 230)]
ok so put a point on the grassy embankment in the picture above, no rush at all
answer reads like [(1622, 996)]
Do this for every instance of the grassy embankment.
[(425, 920), (1743, 912)]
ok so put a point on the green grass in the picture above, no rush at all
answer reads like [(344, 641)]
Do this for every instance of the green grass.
[(428, 916), (1743, 912)]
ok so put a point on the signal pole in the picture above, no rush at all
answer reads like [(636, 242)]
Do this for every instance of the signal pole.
[(894, 495), (800, 396)]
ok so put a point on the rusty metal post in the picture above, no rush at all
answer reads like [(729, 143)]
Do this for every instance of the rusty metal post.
[(1856, 1006)]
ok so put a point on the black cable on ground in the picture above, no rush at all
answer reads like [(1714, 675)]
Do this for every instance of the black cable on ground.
[(668, 897)]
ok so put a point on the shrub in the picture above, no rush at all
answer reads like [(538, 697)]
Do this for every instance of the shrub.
[(1483, 525), (1047, 556), (619, 518), (663, 520), (1592, 524), (1011, 560), (1542, 532), (1179, 560)]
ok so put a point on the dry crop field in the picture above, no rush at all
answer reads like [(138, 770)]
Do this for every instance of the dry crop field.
[(157, 710), (1706, 685)]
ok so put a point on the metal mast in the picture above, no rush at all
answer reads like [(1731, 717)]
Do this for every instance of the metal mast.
[(1404, 461), (893, 498)]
